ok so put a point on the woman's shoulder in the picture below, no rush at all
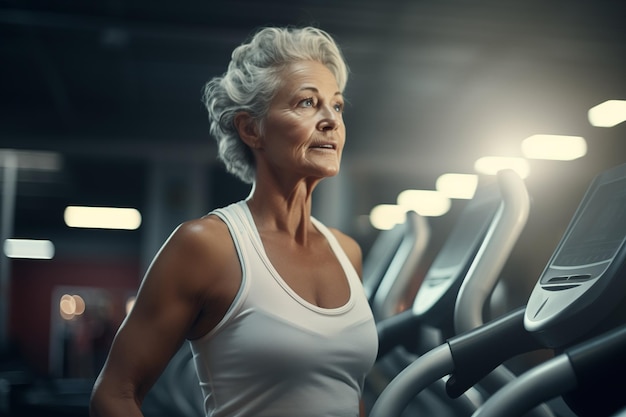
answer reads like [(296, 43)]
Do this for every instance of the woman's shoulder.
[(198, 256), (350, 246), (195, 247), (205, 234), (343, 238), (192, 270)]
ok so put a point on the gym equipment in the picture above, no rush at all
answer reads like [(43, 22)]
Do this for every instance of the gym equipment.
[(580, 369), (465, 273), (475, 251), (579, 295), (392, 263)]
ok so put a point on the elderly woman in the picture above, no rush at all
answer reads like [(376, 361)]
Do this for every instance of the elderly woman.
[(269, 298)]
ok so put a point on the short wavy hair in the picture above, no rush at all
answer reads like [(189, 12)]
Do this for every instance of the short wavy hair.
[(252, 80)]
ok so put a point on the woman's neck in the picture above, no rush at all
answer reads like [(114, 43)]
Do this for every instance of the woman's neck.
[(286, 210)]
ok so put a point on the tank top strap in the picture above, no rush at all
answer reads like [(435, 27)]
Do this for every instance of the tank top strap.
[(238, 229), (338, 250)]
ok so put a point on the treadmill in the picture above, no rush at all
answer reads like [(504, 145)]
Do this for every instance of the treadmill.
[(472, 256), (392, 263), (580, 295)]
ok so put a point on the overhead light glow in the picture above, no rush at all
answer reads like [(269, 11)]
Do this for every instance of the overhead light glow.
[(556, 147), (607, 114), (427, 203), (490, 165), (102, 217), (462, 186), (32, 160), (29, 249), (386, 216)]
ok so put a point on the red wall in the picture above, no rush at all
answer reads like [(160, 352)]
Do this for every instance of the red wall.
[(32, 285)]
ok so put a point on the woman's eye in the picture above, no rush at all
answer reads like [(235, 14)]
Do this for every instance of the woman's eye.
[(339, 107), (307, 102)]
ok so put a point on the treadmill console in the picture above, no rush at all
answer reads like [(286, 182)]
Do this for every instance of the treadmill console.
[(584, 280)]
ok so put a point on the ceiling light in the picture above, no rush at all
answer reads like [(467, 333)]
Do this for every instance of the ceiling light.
[(556, 147), (102, 217), (607, 114), (428, 203), (28, 249), (461, 186), (386, 216), (31, 160), (490, 165)]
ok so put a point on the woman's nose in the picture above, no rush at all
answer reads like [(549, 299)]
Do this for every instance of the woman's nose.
[(330, 119)]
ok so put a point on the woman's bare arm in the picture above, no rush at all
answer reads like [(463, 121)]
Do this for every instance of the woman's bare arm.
[(172, 295)]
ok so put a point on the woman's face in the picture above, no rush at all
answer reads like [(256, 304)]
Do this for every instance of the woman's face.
[(303, 132)]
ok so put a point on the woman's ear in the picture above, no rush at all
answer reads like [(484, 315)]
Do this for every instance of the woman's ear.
[(248, 129)]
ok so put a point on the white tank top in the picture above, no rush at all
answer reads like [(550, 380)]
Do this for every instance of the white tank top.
[(274, 354)]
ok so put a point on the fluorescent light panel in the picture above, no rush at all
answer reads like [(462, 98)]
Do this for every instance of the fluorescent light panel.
[(490, 165), (461, 186), (386, 216), (29, 249), (427, 203), (607, 114), (102, 217), (31, 160), (555, 147)]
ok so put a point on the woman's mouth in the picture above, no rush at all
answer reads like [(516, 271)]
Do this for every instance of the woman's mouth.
[(327, 146)]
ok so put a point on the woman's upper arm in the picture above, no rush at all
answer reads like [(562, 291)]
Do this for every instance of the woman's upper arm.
[(170, 298)]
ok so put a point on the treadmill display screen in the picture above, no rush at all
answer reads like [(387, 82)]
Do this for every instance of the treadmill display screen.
[(599, 232)]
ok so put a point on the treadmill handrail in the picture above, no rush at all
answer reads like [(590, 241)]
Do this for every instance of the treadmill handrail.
[(456, 353), (557, 376), (428, 368), (502, 235), (484, 273), (494, 342), (402, 268), (535, 386), (379, 257)]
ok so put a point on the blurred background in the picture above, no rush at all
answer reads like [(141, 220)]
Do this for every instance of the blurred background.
[(100, 107)]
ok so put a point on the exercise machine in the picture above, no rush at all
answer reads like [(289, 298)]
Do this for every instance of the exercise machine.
[(592, 369), (471, 259), (393, 262), (580, 294)]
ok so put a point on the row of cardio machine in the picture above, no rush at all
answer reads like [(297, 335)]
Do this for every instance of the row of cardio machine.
[(438, 358)]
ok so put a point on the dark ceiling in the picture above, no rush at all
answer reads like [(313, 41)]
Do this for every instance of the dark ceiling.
[(434, 85)]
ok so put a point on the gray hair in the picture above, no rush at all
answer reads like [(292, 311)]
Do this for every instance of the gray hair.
[(252, 80)]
